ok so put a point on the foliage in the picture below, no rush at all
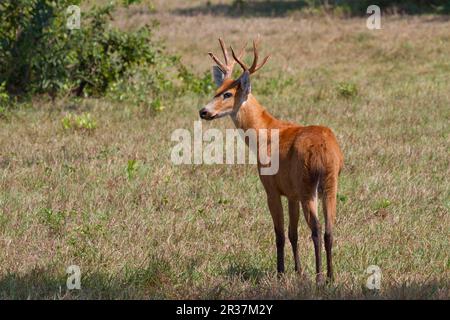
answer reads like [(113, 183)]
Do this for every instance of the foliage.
[(204, 231), (161, 79), (144, 87), (39, 54), (132, 166), (105, 55), (347, 90), (34, 50), (54, 220), (83, 121), (4, 99), (201, 85)]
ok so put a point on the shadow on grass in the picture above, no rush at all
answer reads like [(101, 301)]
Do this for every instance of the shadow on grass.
[(48, 284), (147, 284), (295, 287), (43, 284), (280, 8), (238, 9), (247, 272)]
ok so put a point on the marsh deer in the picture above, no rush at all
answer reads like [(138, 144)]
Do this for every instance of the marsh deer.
[(310, 159)]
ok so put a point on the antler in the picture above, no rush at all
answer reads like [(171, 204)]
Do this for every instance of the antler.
[(227, 67), (254, 67)]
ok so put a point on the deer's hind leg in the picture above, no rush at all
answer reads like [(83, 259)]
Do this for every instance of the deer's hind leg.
[(293, 231), (309, 206), (329, 211)]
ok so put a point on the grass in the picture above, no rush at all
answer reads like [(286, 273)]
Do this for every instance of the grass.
[(110, 201)]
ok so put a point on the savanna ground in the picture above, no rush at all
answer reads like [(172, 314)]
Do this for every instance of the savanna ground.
[(110, 200)]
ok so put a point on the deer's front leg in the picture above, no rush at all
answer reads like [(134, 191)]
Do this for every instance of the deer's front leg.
[(276, 210)]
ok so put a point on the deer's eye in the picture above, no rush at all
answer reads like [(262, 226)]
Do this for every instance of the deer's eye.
[(227, 95)]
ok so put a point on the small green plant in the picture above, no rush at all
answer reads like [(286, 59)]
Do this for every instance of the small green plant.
[(83, 121), (156, 105), (383, 204), (341, 197), (67, 122), (53, 219), (347, 90), (132, 167)]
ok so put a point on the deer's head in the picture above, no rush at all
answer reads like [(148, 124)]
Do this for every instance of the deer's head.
[(230, 94)]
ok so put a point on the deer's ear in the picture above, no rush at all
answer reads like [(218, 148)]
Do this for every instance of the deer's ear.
[(218, 76), (245, 86)]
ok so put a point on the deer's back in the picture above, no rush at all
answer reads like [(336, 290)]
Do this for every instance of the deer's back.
[(306, 154)]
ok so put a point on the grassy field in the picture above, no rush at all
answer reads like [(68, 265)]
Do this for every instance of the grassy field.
[(110, 200)]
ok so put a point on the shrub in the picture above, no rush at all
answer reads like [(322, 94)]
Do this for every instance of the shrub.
[(39, 54), (33, 52), (83, 121), (347, 90), (132, 167), (201, 85), (144, 86), (105, 55)]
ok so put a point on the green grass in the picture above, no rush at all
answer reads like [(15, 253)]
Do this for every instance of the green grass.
[(110, 201)]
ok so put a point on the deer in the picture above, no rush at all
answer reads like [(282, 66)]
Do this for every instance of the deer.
[(310, 160)]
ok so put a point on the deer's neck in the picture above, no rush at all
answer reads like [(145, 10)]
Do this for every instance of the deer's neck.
[(252, 115)]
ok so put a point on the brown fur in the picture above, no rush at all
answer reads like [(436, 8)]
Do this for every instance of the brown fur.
[(310, 163)]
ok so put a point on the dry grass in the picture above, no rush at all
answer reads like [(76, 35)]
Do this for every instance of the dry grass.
[(171, 231)]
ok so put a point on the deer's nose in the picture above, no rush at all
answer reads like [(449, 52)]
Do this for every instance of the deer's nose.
[(203, 113)]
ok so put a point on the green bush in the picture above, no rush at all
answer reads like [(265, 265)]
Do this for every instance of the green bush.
[(347, 90), (39, 54), (83, 121), (144, 86), (34, 48), (193, 83)]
